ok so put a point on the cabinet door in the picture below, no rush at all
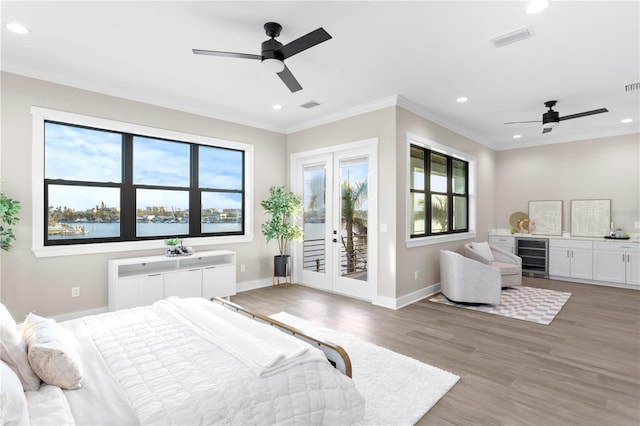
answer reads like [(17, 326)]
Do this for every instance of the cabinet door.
[(581, 264), (633, 268), (609, 266), (218, 281), (505, 243), (139, 291), (183, 283), (560, 261)]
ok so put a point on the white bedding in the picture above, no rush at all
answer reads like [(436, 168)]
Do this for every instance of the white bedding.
[(165, 364)]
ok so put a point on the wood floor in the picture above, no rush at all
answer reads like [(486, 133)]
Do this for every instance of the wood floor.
[(582, 369)]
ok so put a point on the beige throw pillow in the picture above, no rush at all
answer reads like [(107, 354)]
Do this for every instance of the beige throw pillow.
[(13, 351), (52, 352), (483, 250)]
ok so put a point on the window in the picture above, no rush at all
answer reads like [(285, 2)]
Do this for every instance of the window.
[(104, 182), (440, 202)]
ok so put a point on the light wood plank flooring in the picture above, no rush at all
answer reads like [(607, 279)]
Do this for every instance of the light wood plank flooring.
[(582, 369)]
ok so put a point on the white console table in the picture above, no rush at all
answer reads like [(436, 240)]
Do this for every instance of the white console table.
[(143, 280)]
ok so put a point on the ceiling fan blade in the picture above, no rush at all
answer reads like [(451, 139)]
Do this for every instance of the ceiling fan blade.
[(303, 43), (226, 54), (547, 130), (584, 114), (287, 78), (520, 122)]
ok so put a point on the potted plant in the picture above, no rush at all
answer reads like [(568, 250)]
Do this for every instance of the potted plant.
[(8, 217), (282, 206)]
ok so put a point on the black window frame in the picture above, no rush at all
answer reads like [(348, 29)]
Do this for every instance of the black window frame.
[(450, 194), (128, 192)]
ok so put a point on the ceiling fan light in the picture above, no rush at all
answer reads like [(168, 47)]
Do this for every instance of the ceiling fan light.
[(537, 6), (274, 65), (550, 125)]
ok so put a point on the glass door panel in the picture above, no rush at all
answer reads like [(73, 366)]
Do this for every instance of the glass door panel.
[(314, 213), (353, 218)]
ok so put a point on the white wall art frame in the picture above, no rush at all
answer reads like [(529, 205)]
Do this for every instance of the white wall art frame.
[(590, 218), (547, 216)]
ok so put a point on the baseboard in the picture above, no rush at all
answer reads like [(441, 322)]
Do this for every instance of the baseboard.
[(253, 285), (407, 299)]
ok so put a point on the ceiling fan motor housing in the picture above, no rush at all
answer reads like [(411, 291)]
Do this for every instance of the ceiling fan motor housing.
[(269, 49), (550, 118)]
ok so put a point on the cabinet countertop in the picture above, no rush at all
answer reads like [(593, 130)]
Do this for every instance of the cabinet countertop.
[(499, 233)]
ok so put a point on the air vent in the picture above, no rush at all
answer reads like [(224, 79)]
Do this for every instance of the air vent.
[(310, 104), (513, 36), (631, 87)]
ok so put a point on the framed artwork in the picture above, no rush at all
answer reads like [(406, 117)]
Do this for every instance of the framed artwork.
[(545, 217), (590, 218)]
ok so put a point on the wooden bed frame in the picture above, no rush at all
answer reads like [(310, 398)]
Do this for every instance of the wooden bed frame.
[(335, 354)]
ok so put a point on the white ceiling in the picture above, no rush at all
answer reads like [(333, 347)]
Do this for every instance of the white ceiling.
[(424, 54)]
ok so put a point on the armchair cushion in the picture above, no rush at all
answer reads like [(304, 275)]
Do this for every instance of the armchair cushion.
[(509, 264)]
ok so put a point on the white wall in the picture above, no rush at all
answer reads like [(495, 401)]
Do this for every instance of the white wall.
[(44, 285), (606, 168), (377, 124), (425, 260)]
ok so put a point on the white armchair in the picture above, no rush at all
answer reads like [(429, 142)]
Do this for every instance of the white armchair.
[(465, 280), (509, 264)]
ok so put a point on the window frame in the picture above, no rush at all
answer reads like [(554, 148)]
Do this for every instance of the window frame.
[(39, 210), (437, 238)]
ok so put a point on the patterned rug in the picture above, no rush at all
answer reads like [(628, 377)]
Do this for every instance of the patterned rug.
[(537, 305)]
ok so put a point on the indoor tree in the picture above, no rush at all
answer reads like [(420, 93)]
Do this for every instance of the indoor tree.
[(9, 209)]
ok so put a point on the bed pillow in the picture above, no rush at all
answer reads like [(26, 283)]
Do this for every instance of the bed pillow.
[(52, 352), (13, 351), (12, 398), (483, 250)]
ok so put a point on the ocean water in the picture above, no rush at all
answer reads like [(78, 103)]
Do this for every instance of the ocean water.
[(104, 230)]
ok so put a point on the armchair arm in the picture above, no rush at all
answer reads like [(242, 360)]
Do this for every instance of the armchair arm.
[(504, 256)]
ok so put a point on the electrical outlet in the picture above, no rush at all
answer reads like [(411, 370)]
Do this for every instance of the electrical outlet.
[(75, 291), (415, 275), (243, 268)]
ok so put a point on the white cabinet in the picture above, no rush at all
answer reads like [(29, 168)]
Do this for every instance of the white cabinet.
[(570, 258), (218, 279), (144, 280), (140, 290), (183, 283), (503, 242), (617, 262)]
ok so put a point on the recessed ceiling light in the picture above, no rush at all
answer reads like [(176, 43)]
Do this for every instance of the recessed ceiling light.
[(626, 120), (17, 28), (517, 136), (276, 106), (537, 6), (462, 99)]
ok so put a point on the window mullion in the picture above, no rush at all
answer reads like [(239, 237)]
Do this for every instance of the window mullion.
[(427, 190), (195, 210), (128, 192)]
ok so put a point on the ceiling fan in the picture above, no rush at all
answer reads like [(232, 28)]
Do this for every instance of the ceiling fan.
[(274, 53), (551, 118)]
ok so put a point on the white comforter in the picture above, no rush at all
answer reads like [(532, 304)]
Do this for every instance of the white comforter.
[(176, 363)]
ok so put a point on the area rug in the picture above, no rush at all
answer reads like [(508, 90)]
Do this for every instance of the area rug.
[(537, 305), (397, 390)]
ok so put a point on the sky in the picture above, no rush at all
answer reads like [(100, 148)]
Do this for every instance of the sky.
[(76, 153)]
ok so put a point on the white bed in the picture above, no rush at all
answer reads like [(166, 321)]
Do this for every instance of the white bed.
[(192, 361)]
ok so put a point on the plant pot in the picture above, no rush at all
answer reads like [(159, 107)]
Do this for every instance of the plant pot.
[(281, 266)]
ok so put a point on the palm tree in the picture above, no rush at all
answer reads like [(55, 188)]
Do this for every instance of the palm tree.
[(353, 218)]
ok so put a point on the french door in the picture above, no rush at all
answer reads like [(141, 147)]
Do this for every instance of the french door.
[(339, 192)]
